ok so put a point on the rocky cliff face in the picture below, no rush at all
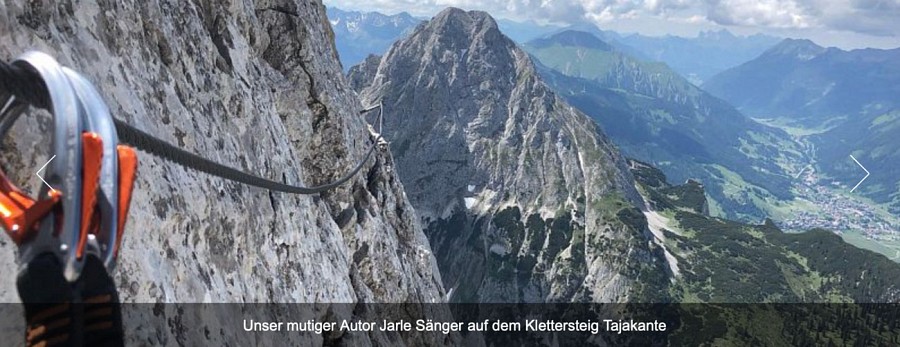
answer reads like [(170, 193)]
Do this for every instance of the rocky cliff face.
[(256, 85), (524, 198)]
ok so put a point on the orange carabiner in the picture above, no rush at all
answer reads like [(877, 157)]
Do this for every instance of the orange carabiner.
[(92, 154), (19, 213), (127, 172)]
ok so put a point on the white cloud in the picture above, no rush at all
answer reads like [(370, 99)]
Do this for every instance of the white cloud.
[(761, 13), (875, 17)]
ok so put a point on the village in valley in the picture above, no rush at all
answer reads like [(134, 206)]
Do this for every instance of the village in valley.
[(840, 211)]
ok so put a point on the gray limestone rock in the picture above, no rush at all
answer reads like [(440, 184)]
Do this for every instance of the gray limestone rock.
[(521, 193), (255, 85)]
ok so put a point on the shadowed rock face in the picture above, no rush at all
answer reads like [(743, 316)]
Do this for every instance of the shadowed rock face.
[(519, 190), (255, 85)]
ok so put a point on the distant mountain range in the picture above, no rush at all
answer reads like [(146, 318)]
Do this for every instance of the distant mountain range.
[(696, 58), (807, 82), (817, 88), (359, 34), (655, 115), (525, 199), (525, 31), (849, 101), (699, 58)]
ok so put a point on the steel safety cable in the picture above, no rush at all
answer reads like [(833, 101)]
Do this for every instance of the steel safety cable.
[(24, 83)]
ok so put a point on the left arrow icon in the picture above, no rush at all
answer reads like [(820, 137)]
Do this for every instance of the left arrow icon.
[(38, 173)]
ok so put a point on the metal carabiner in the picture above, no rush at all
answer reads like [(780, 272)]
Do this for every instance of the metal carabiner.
[(90, 175), (117, 162)]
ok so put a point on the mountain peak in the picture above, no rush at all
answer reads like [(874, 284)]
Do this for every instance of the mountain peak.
[(483, 146), (459, 32), (464, 19), (721, 34), (801, 49), (805, 43), (572, 38)]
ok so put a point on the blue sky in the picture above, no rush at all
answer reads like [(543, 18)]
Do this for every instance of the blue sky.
[(842, 23)]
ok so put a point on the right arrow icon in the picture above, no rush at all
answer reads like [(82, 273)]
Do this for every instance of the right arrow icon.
[(864, 169)]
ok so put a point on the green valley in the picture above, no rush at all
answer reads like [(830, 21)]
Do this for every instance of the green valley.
[(839, 103), (656, 115)]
